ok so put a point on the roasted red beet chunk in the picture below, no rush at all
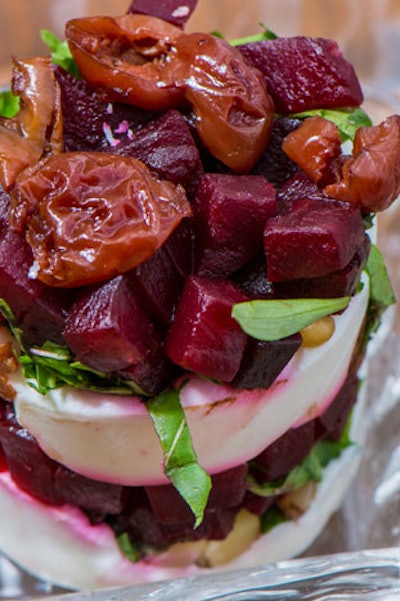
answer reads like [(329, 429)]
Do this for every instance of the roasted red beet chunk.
[(108, 329), (314, 239), (176, 12), (304, 73), (230, 213), (39, 309), (204, 338)]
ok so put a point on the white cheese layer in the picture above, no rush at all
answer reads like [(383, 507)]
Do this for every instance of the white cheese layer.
[(59, 545), (112, 438)]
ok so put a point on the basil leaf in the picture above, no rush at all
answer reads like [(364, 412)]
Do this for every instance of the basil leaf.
[(266, 34), (348, 121), (60, 52), (9, 104), (276, 319), (180, 461)]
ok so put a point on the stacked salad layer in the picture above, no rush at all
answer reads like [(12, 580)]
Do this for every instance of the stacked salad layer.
[(184, 225)]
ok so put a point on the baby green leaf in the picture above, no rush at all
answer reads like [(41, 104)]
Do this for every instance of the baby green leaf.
[(60, 52), (348, 121), (180, 461), (276, 319), (9, 104), (381, 291), (265, 34)]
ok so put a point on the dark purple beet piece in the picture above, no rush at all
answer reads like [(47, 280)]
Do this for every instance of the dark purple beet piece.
[(176, 12), (252, 280), (167, 147), (343, 282), (90, 123), (180, 246), (263, 361), (159, 283), (216, 525), (40, 310), (257, 504), (153, 373), (108, 329), (29, 467), (314, 239), (298, 187), (101, 497), (204, 338), (280, 457), (332, 422), (227, 490), (304, 73), (230, 212), (274, 164)]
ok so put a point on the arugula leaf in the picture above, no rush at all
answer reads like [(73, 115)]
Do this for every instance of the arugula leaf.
[(266, 34), (310, 469), (52, 366), (180, 461), (381, 294), (276, 319), (60, 52), (9, 104), (381, 291), (347, 120)]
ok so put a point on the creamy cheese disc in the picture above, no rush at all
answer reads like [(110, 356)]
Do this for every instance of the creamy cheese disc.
[(112, 439)]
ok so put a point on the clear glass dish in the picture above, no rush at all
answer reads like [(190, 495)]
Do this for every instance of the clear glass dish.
[(361, 576)]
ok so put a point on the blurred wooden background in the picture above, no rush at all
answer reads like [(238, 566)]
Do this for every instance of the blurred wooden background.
[(368, 31)]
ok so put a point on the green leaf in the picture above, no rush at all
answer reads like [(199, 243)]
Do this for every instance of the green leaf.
[(180, 461), (271, 518), (381, 294), (60, 52), (348, 121), (9, 104), (127, 548), (310, 469), (381, 290), (276, 319), (265, 34)]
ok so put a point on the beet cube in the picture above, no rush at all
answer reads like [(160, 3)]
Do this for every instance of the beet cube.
[(101, 497), (108, 329), (263, 361), (274, 164), (280, 457), (230, 213), (176, 12), (29, 467), (167, 147), (227, 490), (298, 186), (314, 239), (332, 422), (40, 310), (89, 123), (159, 282), (339, 283), (252, 280), (153, 373), (304, 73), (204, 338)]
